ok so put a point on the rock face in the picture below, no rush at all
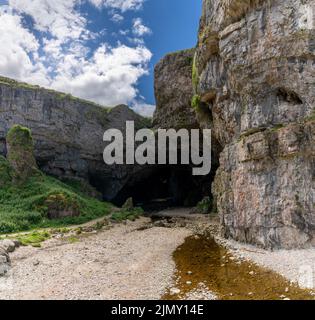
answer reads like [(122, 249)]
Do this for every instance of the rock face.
[(173, 92), (253, 74), (67, 132)]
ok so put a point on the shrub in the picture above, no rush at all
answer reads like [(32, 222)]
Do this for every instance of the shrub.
[(205, 205)]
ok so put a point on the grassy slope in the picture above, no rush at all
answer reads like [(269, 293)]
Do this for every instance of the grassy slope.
[(24, 207)]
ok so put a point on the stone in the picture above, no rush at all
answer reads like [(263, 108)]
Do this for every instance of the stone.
[(3, 269), (174, 291), (60, 206), (17, 243), (8, 245), (255, 74), (4, 261), (4, 253), (128, 204)]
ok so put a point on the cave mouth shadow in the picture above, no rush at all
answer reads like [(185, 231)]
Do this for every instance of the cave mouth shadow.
[(160, 187)]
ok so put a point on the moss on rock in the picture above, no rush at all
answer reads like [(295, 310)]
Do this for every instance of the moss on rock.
[(195, 74), (21, 153), (195, 102)]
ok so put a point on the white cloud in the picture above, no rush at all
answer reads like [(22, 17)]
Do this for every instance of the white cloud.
[(17, 47), (139, 29), (61, 59), (57, 17), (123, 5), (123, 32), (109, 78), (116, 17), (144, 109)]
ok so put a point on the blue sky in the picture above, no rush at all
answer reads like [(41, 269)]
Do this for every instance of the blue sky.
[(101, 50)]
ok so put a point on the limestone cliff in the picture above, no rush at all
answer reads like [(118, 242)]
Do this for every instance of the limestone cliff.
[(173, 91), (253, 74), (67, 132)]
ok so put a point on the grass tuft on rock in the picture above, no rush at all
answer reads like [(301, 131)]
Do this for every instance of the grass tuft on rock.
[(195, 74), (195, 102), (127, 214)]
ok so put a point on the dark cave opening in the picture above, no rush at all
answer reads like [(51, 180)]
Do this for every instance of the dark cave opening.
[(160, 187)]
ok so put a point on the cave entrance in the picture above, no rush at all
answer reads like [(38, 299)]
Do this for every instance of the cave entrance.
[(160, 187)]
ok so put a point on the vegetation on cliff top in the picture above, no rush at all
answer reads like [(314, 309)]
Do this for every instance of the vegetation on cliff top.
[(59, 95)]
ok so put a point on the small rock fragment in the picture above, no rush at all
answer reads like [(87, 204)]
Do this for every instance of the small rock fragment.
[(8, 245), (174, 291)]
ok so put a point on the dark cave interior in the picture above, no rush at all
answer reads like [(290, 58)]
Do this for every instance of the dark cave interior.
[(165, 186)]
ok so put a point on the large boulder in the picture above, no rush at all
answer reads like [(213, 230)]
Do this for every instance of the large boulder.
[(254, 73)]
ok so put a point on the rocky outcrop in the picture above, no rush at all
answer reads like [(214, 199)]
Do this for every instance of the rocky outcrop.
[(173, 92), (253, 73), (67, 133), (6, 246), (21, 153)]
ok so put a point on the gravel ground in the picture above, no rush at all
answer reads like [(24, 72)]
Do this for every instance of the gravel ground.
[(119, 263), (296, 265), (131, 261)]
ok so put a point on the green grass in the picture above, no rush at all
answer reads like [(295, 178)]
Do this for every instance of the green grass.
[(127, 214), (33, 239), (195, 102), (311, 117), (5, 172), (24, 207), (205, 205), (195, 74)]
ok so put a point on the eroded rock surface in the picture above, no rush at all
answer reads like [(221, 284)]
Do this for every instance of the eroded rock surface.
[(173, 92), (67, 132), (254, 71)]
